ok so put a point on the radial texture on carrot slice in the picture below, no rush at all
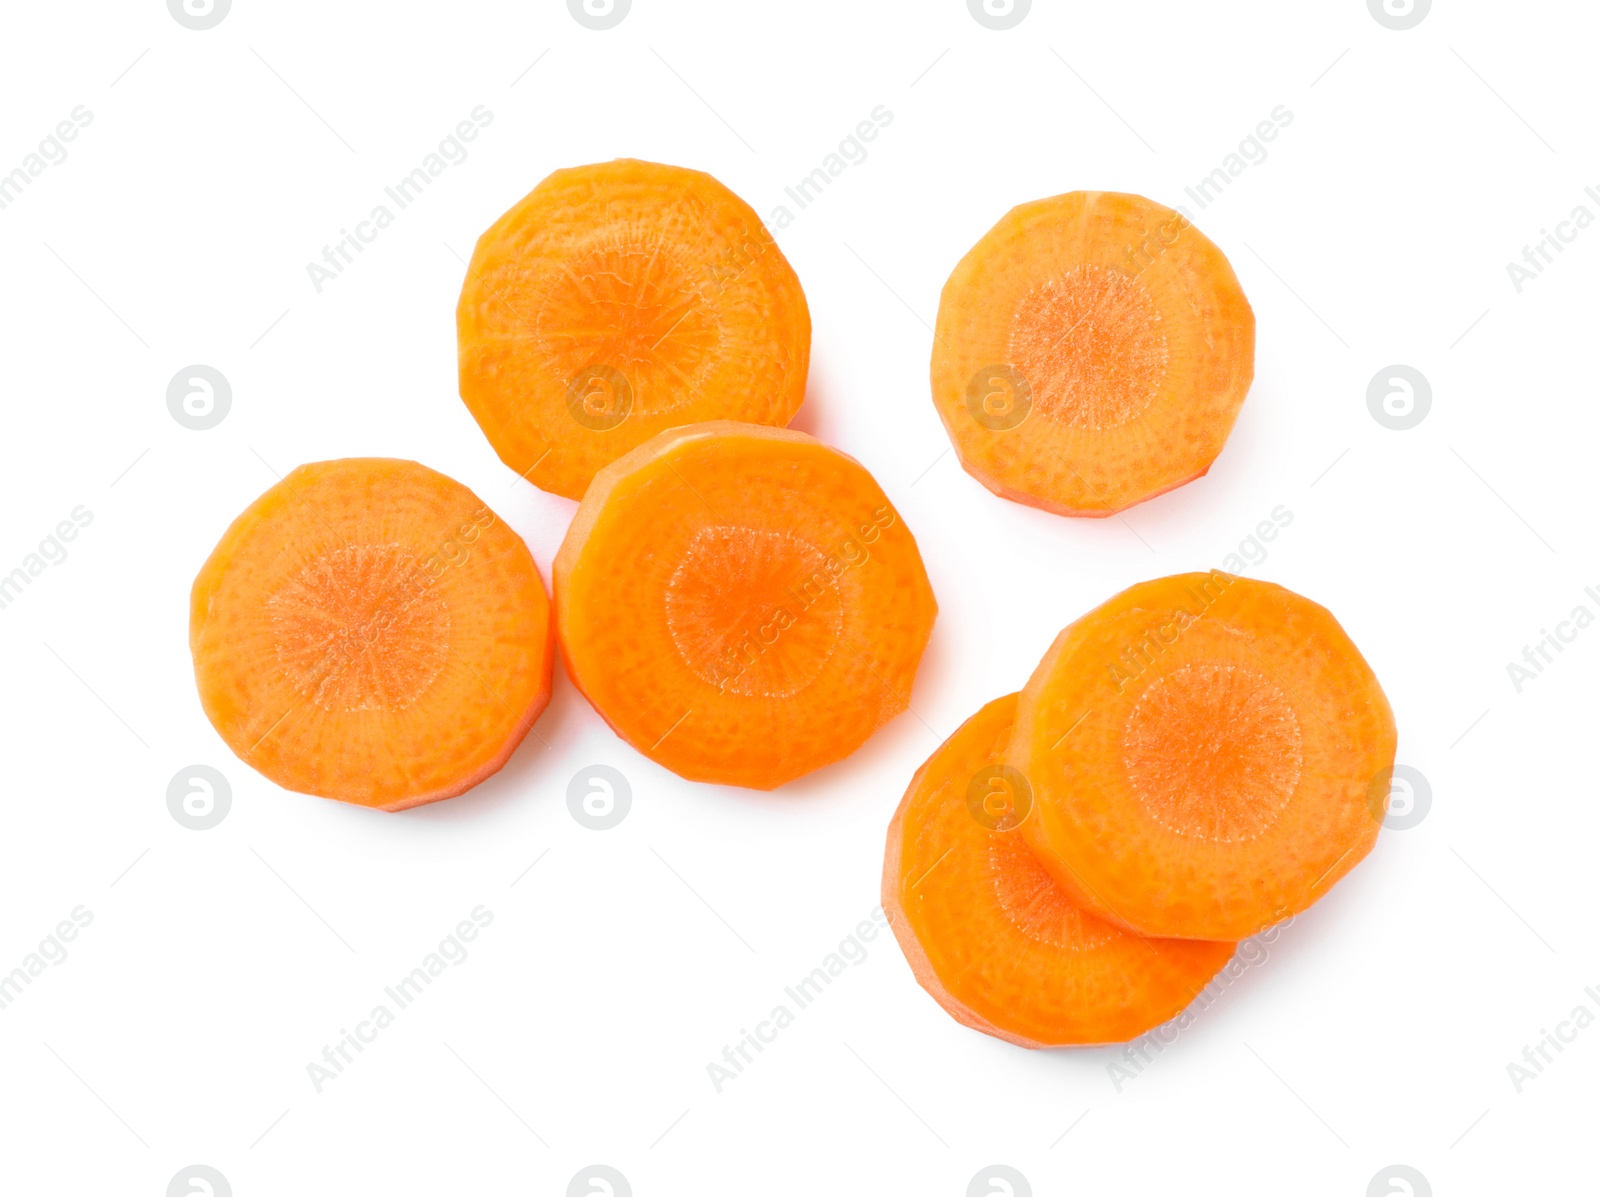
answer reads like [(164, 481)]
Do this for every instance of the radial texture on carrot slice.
[(1092, 351), (989, 933), (369, 630), (742, 604), (1204, 753), (618, 300)]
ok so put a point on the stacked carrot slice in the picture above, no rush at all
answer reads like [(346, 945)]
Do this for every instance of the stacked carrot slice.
[(1190, 763)]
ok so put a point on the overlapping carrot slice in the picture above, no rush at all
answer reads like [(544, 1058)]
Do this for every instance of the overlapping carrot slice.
[(990, 934), (618, 300), (369, 630), (1092, 351), (742, 604), (1203, 751)]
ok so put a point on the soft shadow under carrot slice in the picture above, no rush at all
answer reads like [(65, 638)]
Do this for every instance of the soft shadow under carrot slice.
[(990, 934), (620, 299), (368, 630), (741, 604), (1204, 753), (1092, 351)]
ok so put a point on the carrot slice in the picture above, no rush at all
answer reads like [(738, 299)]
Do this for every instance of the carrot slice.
[(1092, 351), (1203, 750), (368, 630), (990, 934), (741, 604), (618, 300)]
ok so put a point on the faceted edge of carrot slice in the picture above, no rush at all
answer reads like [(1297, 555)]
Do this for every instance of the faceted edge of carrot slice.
[(1242, 380), (787, 399), (204, 586), (595, 499), (1034, 826)]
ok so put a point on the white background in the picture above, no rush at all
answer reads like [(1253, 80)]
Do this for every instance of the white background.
[(218, 963)]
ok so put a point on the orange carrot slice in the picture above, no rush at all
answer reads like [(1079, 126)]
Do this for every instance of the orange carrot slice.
[(1092, 351), (618, 300), (368, 630), (990, 934), (1202, 750), (741, 604)]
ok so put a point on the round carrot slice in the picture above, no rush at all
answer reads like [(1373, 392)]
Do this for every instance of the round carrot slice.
[(990, 934), (368, 630), (1092, 351), (618, 300), (1203, 752), (741, 604)]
